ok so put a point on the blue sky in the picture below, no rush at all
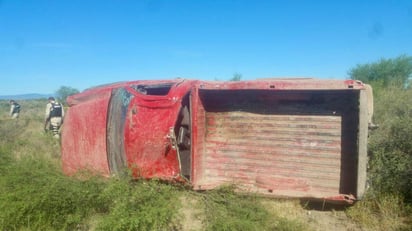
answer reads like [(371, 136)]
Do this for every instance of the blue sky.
[(84, 43)]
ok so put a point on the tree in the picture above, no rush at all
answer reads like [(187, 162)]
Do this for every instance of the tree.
[(390, 146), (395, 72), (64, 92), (236, 77)]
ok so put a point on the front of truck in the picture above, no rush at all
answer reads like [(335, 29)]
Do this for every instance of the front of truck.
[(129, 125)]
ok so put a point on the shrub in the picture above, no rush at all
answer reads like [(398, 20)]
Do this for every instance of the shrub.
[(387, 205), (384, 212), (391, 145)]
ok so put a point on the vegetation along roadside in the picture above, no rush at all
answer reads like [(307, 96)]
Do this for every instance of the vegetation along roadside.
[(35, 195)]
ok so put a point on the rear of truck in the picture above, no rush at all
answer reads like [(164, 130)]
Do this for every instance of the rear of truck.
[(285, 138)]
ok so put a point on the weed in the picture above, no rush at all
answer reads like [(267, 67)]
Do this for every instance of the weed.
[(35, 195), (387, 203), (381, 212), (139, 205), (390, 145), (226, 210)]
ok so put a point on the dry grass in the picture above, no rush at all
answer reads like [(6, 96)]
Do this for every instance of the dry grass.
[(26, 134), (316, 216), (383, 213)]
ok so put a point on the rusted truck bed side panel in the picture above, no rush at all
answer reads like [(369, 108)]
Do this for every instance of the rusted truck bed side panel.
[(291, 142), (273, 154)]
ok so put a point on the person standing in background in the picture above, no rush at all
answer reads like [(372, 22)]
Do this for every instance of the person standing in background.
[(14, 109), (54, 117)]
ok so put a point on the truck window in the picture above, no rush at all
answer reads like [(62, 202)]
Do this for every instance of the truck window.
[(158, 89)]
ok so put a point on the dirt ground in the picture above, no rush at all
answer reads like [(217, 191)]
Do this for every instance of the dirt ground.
[(329, 220), (316, 216)]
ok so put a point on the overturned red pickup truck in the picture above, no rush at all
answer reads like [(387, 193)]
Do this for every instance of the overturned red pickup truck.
[(303, 138)]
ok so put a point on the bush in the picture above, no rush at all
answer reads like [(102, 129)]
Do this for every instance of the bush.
[(387, 205), (391, 145)]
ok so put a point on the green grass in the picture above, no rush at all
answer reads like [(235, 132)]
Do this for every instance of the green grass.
[(226, 210), (36, 195), (140, 205)]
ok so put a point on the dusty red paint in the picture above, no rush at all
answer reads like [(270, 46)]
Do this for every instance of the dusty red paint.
[(149, 150), (84, 135), (277, 137)]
